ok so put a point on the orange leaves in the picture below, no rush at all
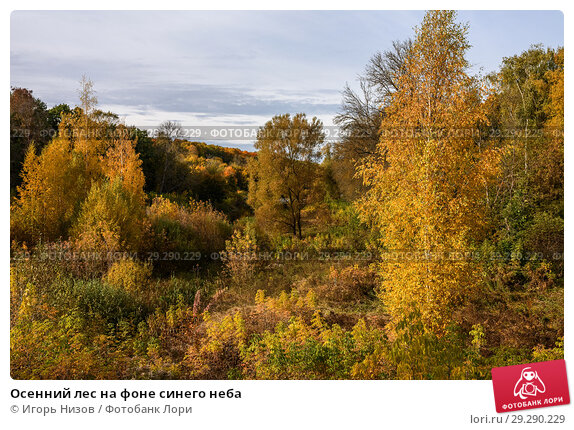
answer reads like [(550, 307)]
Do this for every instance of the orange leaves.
[(229, 172)]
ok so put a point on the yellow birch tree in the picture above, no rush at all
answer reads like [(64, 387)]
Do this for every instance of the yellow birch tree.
[(427, 182)]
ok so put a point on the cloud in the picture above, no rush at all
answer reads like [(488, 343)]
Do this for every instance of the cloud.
[(230, 67)]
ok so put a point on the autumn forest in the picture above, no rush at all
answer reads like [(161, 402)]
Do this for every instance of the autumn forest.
[(425, 242)]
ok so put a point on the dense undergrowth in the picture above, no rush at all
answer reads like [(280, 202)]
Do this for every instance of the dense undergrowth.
[(138, 257)]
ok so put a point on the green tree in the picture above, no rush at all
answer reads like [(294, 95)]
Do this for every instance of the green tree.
[(147, 153), (170, 154), (527, 199), (55, 116), (528, 100)]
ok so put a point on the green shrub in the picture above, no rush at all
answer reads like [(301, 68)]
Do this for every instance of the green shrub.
[(314, 350)]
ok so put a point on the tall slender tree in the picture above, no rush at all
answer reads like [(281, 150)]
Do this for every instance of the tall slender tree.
[(88, 99), (426, 182)]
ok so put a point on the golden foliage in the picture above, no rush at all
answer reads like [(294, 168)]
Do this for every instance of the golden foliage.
[(427, 183), (282, 176), (240, 255), (54, 183), (123, 163), (111, 219), (61, 185), (131, 275)]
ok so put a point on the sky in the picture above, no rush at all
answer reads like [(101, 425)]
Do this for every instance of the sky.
[(233, 68)]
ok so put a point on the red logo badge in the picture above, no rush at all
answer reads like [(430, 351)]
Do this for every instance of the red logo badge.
[(529, 386)]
